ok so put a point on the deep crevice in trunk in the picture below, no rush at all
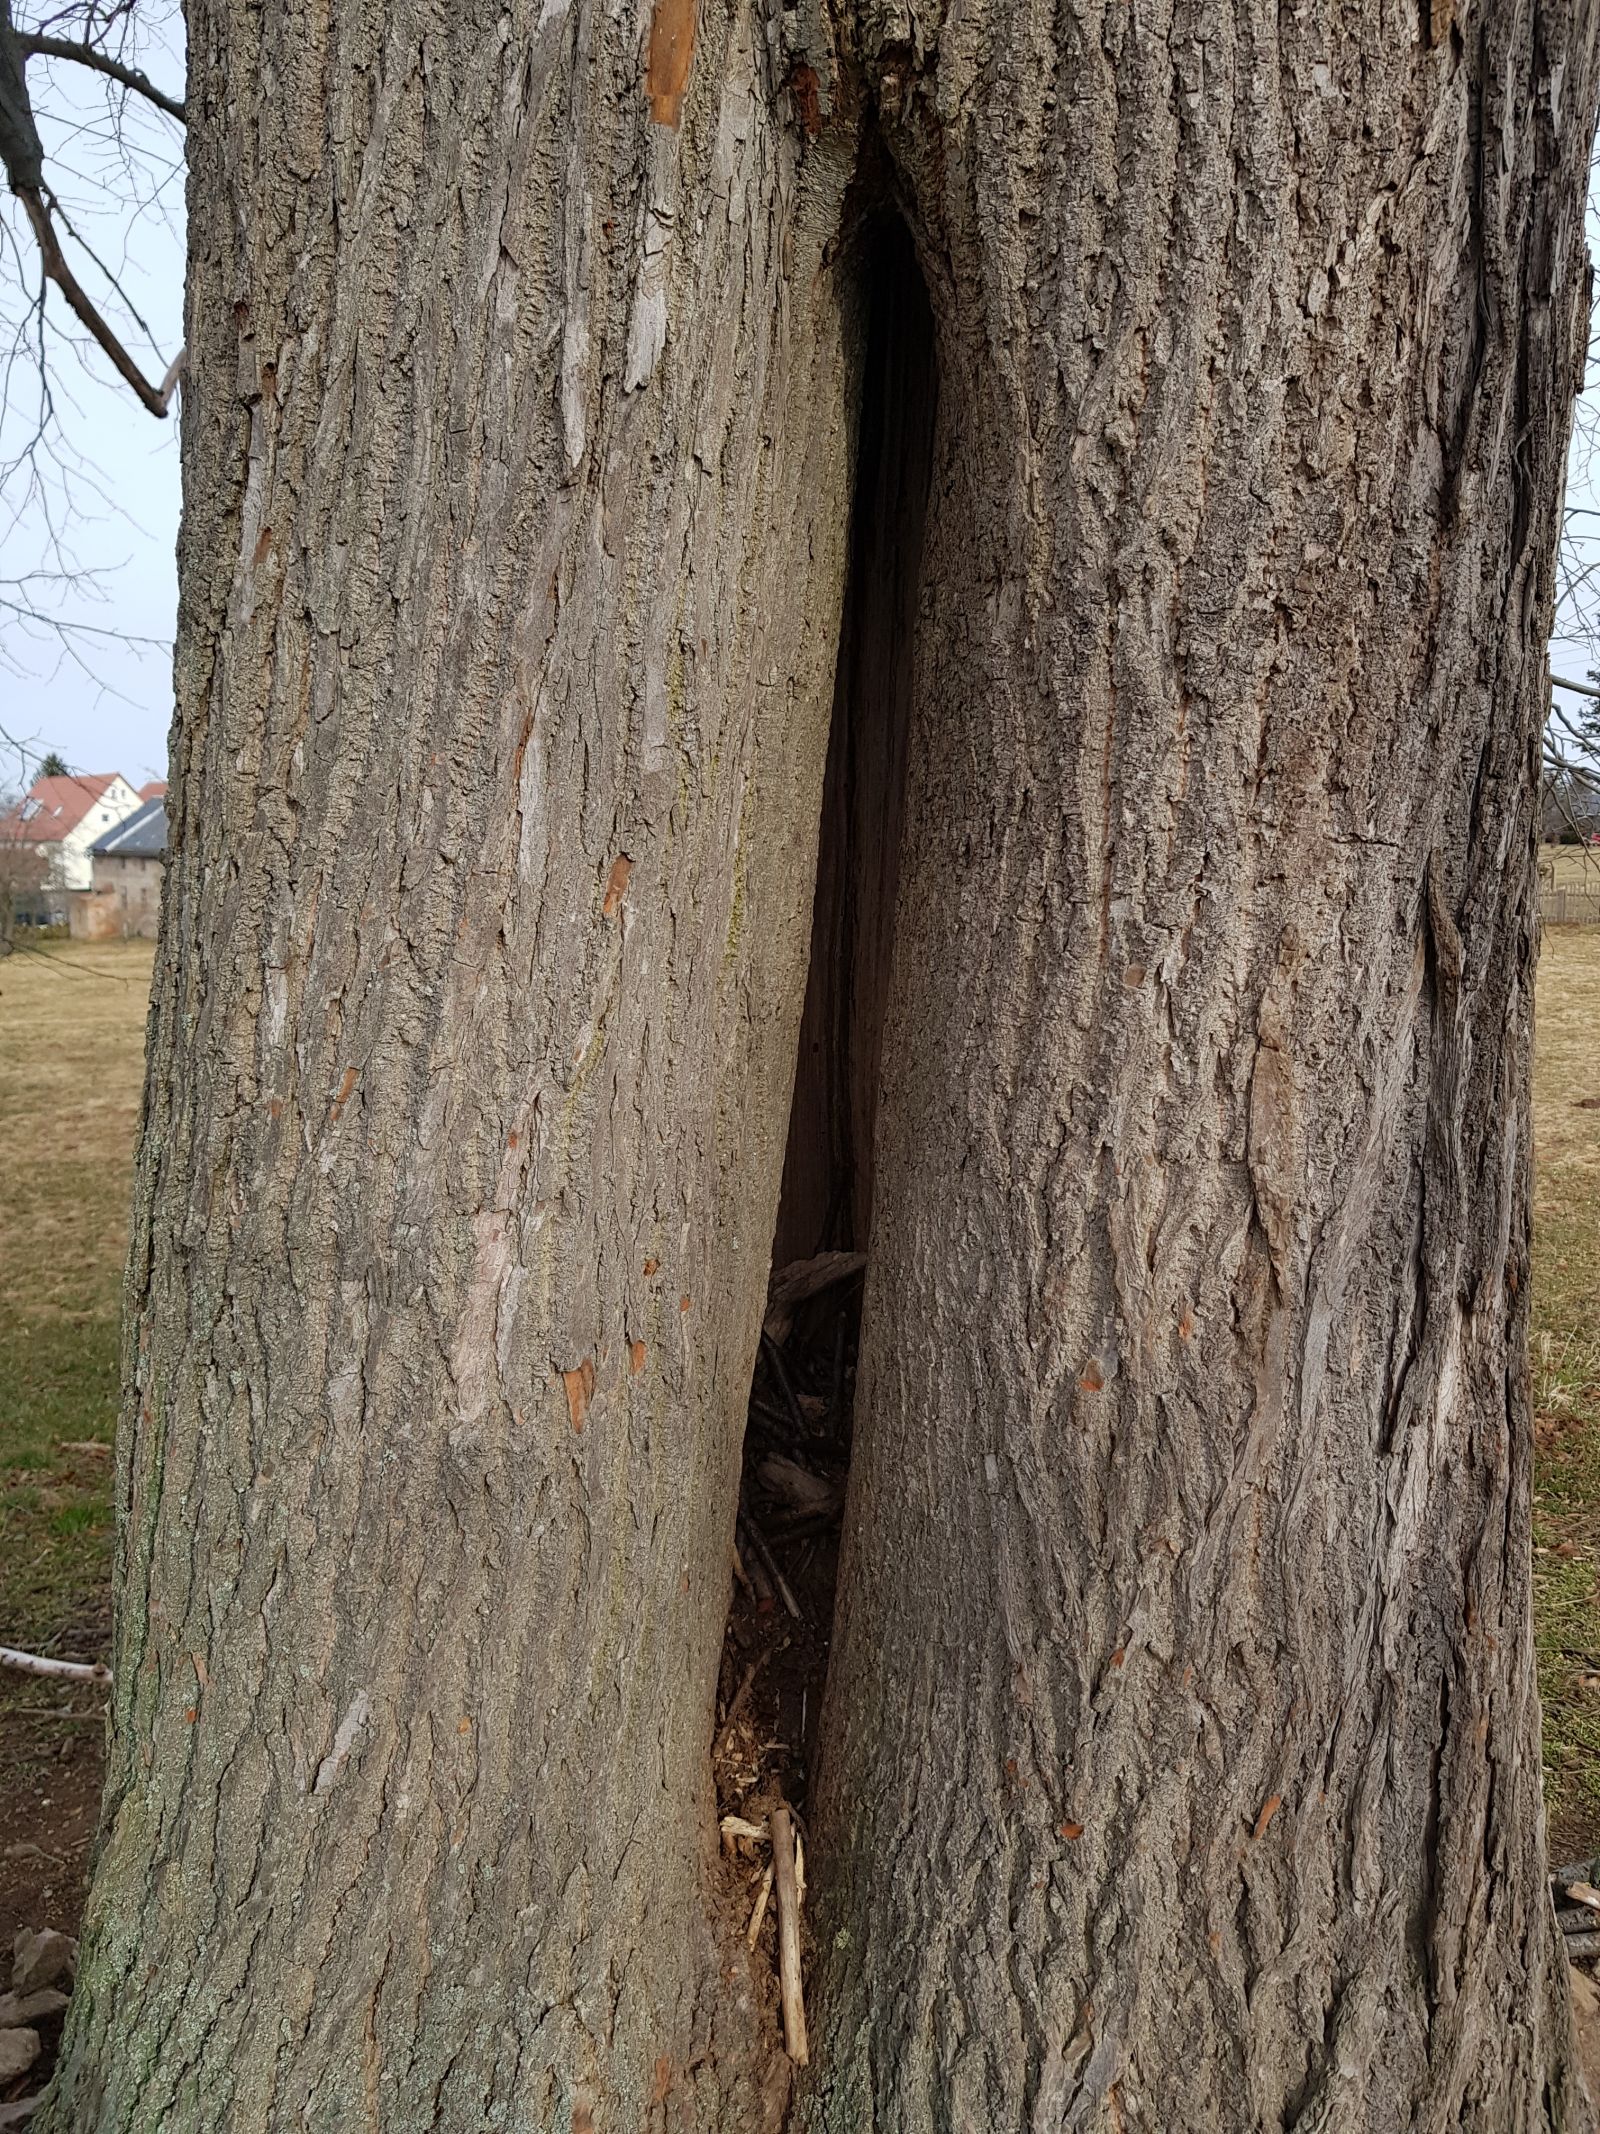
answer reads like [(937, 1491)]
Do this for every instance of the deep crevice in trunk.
[(797, 1443)]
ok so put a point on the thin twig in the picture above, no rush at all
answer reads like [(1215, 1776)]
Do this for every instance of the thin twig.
[(740, 1696), (789, 1985), (760, 1911), (791, 1399), (761, 1555)]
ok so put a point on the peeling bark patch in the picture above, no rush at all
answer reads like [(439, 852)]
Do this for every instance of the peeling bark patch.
[(579, 1385), (671, 49), (636, 1356), (355, 1718), (1070, 1831), (616, 883), (1269, 1809)]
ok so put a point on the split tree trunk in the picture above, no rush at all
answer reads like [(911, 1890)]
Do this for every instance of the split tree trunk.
[(1180, 1760)]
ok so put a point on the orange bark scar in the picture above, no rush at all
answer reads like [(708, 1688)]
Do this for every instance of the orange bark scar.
[(671, 49), (616, 883), (636, 1357), (342, 1096), (1268, 1811), (579, 1385)]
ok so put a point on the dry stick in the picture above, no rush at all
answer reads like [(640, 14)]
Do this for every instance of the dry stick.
[(738, 1703), (755, 1570), (794, 2006), (761, 1555), (791, 1399), (760, 1911), (34, 1663)]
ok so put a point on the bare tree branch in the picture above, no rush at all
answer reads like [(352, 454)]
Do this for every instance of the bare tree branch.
[(156, 398), (22, 155), (88, 55)]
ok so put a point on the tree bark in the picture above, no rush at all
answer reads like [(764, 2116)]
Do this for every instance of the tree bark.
[(1180, 1751), (517, 449)]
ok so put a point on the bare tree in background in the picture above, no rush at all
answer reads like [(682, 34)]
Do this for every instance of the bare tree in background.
[(25, 878), (89, 180)]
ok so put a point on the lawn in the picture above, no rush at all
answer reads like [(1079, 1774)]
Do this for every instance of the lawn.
[(71, 1043), (72, 1021)]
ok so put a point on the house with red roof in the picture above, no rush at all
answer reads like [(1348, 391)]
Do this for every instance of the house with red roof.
[(60, 819)]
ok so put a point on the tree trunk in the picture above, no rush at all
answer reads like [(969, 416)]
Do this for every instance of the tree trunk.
[(1180, 1751)]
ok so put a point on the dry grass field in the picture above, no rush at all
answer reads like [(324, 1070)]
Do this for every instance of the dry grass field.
[(71, 1045), (1566, 1378), (72, 1022)]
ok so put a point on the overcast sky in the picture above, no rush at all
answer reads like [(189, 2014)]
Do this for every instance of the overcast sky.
[(105, 499)]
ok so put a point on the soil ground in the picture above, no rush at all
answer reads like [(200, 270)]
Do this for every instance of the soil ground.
[(72, 1022)]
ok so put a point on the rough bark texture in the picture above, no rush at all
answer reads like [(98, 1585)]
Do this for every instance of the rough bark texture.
[(1181, 1753), (516, 462), (1181, 1748)]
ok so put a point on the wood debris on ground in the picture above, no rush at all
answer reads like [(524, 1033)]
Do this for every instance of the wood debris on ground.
[(775, 1651)]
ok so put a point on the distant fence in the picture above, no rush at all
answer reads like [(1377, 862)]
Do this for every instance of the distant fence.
[(1570, 907)]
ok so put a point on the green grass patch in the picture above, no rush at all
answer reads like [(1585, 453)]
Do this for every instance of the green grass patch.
[(72, 1022)]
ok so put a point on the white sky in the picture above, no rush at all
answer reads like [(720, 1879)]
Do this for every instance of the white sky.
[(106, 501)]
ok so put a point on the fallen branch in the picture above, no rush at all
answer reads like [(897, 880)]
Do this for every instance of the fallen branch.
[(789, 1986), (35, 1663)]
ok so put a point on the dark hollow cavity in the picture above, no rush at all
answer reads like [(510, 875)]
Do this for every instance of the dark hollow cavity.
[(797, 1441)]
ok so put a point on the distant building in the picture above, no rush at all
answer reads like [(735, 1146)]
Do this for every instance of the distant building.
[(153, 789), (124, 901), (55, 826)]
